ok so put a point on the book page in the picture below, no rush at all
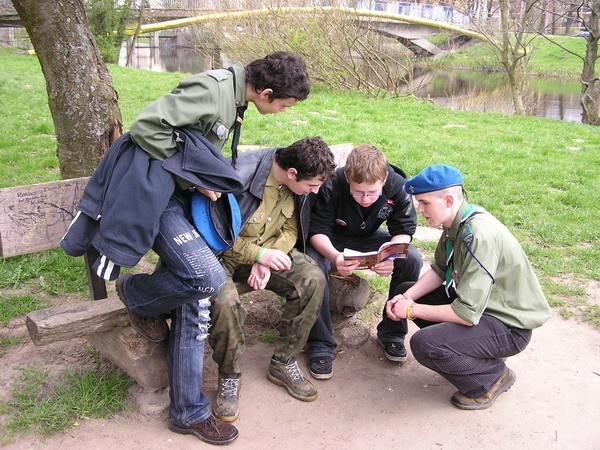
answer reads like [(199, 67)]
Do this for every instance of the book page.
[(388, 250)]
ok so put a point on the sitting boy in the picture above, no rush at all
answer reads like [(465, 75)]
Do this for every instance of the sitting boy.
[(348, 213), (276, 214)]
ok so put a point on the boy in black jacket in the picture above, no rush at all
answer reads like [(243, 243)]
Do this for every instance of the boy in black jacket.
[(348, 213)]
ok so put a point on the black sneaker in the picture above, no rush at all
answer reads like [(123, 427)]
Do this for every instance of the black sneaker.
[(321, 367), (394, 351)]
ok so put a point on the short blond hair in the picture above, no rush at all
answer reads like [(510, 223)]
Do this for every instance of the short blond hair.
[(366, 164)]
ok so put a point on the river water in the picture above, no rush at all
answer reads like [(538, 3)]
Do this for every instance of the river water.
[(471, 91)]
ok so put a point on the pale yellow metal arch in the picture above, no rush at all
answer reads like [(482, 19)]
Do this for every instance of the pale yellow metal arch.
[(188, 21)]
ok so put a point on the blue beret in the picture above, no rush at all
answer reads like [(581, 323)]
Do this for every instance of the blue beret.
[(218, 222), (433, 178)]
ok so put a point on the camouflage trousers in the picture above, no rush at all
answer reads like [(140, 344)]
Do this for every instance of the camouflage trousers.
[(301, 287)]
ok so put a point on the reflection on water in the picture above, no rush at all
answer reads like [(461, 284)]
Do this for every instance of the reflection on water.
[(165, 58), (470, 91)]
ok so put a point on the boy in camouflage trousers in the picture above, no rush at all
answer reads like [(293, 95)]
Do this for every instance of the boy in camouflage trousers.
[(276, 212)]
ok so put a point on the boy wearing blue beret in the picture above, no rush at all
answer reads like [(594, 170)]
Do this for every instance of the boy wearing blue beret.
[(480, 300)]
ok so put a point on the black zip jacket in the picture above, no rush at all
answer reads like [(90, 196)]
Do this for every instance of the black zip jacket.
[(336, 213)]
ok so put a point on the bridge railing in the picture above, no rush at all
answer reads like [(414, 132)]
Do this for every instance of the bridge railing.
[(421, 10), (189, 5)]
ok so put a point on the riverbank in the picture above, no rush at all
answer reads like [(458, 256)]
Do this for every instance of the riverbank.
[(556, 57)]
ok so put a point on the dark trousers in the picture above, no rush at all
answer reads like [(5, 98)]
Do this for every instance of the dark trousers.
[(471, 358), (320, 340)]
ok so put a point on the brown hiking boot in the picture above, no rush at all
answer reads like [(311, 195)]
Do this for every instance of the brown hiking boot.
[(212, 431), (155, 329), (226, 406), (290, 376), (485, 401)]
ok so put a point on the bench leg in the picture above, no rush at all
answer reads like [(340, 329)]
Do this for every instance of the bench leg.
[(97, 285)]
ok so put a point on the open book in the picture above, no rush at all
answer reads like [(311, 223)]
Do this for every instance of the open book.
[(388, 250)]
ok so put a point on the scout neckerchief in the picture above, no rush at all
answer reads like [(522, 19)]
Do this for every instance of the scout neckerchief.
[(469, 212), (237, 126)]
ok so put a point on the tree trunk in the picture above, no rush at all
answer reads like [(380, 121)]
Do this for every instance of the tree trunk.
[(543, 17), (571, 11), (590, 96), (509, 56), (133, 39), (81, 97), (554, 19), (516, 93)]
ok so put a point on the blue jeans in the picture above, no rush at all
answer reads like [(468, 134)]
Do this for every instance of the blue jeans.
[(188, 269), (189, 327), (188, 274), (471, 358), (320, 341)]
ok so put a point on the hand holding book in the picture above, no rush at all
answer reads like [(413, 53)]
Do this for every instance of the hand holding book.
[(387, 251)]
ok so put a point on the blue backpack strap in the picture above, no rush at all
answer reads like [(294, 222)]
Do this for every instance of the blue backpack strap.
[(219, 222)]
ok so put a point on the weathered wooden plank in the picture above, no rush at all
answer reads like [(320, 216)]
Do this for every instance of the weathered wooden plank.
[(75, 319), (35, 217), (340, 152), (142, 360)]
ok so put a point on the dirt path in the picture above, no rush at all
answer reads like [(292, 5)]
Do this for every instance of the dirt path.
[(372, 403)]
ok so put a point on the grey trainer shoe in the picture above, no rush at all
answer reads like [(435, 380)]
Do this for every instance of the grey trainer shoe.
[(504, 383), (290, 376), (226, 406)]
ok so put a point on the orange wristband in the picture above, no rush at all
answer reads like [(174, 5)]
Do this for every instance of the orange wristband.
[(408, 309)]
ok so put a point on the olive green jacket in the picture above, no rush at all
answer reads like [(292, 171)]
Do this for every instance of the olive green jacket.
[(206, 102), (491, 273)]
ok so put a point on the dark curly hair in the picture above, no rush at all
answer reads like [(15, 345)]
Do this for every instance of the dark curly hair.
[(310, 156), (283, 72)]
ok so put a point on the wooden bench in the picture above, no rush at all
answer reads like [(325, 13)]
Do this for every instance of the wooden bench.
[(34, 218)]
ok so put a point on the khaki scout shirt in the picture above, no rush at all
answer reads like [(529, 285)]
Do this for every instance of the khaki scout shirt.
[(513, 296), (273, 225)]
